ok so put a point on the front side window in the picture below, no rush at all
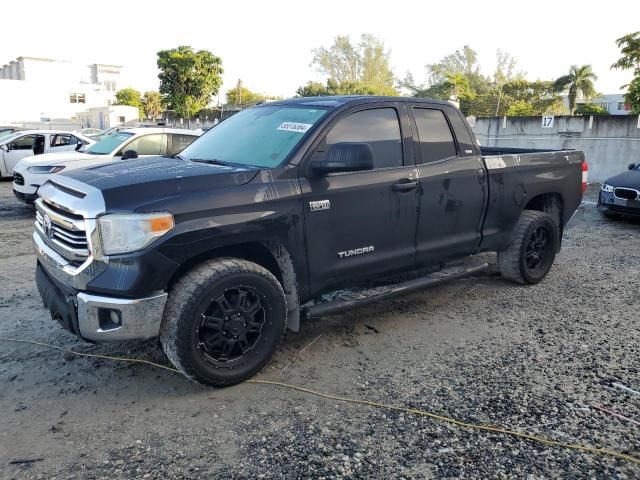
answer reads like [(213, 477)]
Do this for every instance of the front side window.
[(257, 137), (379, 127), (146, 145), (60, 140), (23, 143), (436, 141), (109, 143)]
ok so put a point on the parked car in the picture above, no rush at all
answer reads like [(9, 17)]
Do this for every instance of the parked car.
[(111, 130), (220, 250), (6, 131), (620, 195), (29, 143), (92, 132), (30, 173)]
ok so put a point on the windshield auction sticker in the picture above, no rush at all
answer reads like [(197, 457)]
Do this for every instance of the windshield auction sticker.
[(295, 127)]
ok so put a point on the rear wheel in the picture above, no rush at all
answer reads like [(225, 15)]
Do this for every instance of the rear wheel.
[(532, 250), (223, 321)]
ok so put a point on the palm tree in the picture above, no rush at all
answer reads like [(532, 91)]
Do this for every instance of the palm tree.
[(578, 81)]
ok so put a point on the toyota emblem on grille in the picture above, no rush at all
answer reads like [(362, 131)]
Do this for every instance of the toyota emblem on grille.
[(47, 227)]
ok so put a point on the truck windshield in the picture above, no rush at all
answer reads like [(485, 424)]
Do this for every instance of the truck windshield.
[(109, 143), (259, 137)]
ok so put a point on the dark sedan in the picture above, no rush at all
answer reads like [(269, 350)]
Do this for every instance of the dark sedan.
[(620, 195)]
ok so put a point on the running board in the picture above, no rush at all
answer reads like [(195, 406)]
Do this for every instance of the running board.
[(396, 290)]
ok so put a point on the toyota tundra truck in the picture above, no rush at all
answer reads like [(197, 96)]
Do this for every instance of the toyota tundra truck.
[(258, 223)]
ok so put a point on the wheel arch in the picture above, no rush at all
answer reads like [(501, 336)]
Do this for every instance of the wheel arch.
[(272, 255), (551, 203)]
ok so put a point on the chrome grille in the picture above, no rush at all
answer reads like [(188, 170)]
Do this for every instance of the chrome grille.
[(64, 232), (626, 193)]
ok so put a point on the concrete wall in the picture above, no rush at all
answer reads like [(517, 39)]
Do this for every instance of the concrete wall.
[(610, 143)]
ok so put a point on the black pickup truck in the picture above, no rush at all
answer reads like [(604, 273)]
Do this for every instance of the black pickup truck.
[(221, 248)]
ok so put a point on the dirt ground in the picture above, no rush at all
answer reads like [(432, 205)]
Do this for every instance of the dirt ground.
[(536, 359)]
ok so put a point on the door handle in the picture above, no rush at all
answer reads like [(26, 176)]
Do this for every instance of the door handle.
[(405, 185)]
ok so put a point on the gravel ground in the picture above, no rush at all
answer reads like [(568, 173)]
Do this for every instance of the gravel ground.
[(536, 359)]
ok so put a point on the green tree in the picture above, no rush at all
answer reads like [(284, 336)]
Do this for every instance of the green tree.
[(243, 96), (579, 81), (315, 89), (590, 109), (188, 79), (365, 65), (130, 96), (520, 108), (630, 60), (152, 104)]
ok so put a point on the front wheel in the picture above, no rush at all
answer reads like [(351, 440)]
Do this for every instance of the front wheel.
[(532, 250), (223, 321)]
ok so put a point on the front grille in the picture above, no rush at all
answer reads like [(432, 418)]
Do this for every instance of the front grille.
[(626, 193), (18, 179), (63, 231)]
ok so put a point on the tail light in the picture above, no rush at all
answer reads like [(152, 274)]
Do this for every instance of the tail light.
[(585, 176)]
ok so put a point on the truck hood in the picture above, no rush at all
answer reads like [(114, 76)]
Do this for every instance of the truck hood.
[(628, 179), (131, 183), (56, 158)]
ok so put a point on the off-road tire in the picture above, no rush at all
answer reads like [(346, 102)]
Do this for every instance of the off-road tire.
[(513, 261), (180, 324)]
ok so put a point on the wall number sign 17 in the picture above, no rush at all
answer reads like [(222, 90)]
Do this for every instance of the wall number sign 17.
[(547, 122)]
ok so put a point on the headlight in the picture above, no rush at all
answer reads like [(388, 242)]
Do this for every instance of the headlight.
[(607, 188), (47, 169), (123, 233)]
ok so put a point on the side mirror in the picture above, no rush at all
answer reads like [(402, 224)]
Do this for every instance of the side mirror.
[(632, 166), (345, 157), (79, 145), (129, 154)]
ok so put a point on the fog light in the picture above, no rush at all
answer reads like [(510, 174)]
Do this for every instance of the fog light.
[(109, 319), (114, 317)]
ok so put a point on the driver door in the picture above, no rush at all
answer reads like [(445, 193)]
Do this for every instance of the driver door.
[(21, 147), (363, 222)]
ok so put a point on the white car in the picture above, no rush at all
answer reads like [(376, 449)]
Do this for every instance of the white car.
[(30, 173), (91, 132), (29, 143)]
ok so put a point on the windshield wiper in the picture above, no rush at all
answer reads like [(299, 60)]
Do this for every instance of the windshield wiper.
[(213, 161)]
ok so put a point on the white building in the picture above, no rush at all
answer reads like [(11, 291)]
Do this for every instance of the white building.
[(105, 117), (42, 89), (612, 103)]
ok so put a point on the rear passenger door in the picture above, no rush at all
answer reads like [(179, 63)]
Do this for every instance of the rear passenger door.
[(453, 191), (362, 223)]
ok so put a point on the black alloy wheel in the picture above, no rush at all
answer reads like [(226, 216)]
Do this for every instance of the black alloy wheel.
[(231, 325)]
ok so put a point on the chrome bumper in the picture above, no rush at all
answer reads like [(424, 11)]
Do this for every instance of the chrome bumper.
[(139, 319)]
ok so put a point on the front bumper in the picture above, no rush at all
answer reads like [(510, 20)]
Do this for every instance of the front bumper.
[(29, 198), (609, 203), (95, 317)]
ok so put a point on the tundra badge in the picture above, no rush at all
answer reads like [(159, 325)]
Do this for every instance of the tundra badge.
[(319, 205), (357, 251)]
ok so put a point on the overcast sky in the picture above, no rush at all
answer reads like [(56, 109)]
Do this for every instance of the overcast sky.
[(268, 43)]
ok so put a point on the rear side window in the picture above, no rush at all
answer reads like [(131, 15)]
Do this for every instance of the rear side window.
[(179, 143), (146, 145), (436, 141), (379, 127), (465, 143)]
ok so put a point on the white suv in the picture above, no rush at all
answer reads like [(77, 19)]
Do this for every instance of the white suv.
[(123, 145)]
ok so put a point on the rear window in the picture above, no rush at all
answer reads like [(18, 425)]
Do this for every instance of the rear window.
[(436, 140)]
